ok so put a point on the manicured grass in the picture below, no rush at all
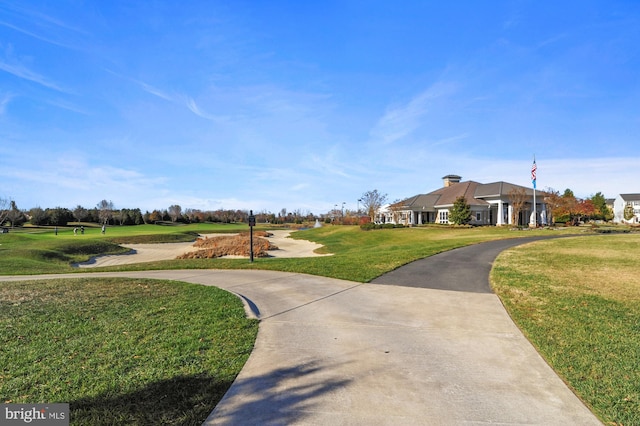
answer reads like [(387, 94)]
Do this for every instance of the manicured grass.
[(578, 301), (40, 250), (357, 255), (48, 320), (121, 351)]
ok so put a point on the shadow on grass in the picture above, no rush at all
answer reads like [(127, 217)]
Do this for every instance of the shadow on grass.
[(188, 400), (183, 400), (282, 396)]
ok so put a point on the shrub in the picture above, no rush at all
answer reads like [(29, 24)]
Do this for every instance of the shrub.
[(369, 226)]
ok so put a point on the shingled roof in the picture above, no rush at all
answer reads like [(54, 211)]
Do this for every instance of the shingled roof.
[(444, 197), (449, 194), (630, 197), (473, 192), (498, 189)]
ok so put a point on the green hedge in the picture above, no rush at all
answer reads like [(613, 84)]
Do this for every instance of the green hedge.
[(370, 226)]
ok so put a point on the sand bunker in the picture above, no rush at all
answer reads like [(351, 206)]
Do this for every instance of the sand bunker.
[(287, 247)]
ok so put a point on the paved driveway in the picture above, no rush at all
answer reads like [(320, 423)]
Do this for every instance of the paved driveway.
[(334, 352)]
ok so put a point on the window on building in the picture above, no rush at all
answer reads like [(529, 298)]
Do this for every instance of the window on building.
[(444, 216), (478, 216)]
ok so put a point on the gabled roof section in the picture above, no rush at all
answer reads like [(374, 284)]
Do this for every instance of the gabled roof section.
[(501, 189), (420, 202), (448, 195)]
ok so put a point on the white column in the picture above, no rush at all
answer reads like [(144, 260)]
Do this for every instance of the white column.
[(509, 214), (500, 214)]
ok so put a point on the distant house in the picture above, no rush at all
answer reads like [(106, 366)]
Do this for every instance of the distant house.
[(609, 202), (491, 204), (621, 202)]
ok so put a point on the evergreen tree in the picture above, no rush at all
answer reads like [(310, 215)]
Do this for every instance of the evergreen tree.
[(460, 213), (600, 203)]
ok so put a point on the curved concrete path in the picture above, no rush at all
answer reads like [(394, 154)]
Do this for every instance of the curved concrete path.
[(335, 352)]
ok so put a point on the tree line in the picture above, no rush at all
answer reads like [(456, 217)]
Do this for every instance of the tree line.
[(567, 208), (564, 208), (105, 213)]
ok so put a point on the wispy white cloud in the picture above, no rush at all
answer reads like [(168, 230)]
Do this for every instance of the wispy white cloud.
[(194, 108), (68, 179), (146, 87), (69, 106), (329, 166), (35, 35), (76, 175), (35, 14), (173, 97), (33, 22), (449, 140), (300, 186), (24, 73), (4, 101), (400, 121), (155, 91)]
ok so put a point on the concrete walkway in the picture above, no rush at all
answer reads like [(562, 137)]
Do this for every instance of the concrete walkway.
[(334, 352)]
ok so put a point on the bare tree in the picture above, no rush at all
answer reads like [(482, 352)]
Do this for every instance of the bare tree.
[(38, 216), (372, 201), (120, 216), (175, 211), (5, 208), (517, 199), (105, 210), (553, 201), (191, 214), (396, 208), (80, 213), (15, 214)]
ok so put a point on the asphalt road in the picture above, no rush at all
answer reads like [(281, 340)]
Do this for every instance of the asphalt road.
[(465, 269)]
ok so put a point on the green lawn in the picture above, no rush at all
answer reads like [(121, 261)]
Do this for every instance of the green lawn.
[(578, 302), (40, 250), (100, 344), (358, 255), (121, 351)]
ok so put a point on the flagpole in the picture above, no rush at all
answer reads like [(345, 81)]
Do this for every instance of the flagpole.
[(534, 168)]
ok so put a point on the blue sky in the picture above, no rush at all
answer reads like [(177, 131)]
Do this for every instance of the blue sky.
[(267, 105)]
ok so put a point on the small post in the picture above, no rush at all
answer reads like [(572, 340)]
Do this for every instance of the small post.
[(252, 223)]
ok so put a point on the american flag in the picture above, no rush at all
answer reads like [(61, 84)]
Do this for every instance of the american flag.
[(534, 168)]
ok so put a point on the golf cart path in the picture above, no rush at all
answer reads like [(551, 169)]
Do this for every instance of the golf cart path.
[(390, 352)]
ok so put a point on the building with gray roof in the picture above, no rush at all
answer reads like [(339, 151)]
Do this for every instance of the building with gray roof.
[(491, 204), (626, 201)]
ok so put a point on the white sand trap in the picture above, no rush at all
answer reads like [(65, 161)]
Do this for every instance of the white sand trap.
[(288, 247)]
